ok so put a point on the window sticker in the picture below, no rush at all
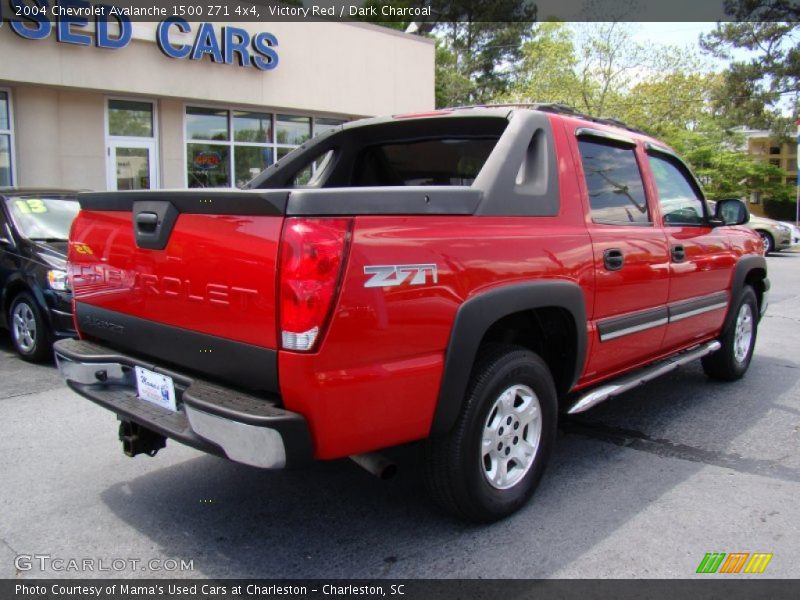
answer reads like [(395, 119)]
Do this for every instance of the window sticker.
[(31, 205)]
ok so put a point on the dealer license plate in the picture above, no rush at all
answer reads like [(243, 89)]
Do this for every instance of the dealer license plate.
[(155, 388)]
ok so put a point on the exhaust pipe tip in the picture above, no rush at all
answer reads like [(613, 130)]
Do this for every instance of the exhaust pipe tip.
[(376, 464)]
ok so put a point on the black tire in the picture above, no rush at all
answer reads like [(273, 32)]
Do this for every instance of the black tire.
[(769, 241), (725, 364), (456, 467), (39, 348)]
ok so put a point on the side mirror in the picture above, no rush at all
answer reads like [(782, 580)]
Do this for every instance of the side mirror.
[(731, 211)]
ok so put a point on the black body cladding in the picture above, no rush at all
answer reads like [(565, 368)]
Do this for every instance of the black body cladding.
[(476, 316), (249, 366)]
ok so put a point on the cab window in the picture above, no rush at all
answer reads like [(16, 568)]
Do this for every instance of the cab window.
[(614, 183), (680, 200)]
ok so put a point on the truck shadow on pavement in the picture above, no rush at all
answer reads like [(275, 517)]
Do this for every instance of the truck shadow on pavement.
[(611, 465)]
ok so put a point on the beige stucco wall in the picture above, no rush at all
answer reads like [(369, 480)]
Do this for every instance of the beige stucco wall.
[(60, 139), (341, 68), (170, 125), (59, 90)]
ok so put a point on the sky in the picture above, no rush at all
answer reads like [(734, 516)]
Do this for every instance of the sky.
[(677, 34)]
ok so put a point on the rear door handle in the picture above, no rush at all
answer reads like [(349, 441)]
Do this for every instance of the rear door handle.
[(613, 260), (678, 253)]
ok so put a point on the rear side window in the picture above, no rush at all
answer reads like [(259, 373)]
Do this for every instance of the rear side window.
[(446, 161), (681, 203), (614, 183)]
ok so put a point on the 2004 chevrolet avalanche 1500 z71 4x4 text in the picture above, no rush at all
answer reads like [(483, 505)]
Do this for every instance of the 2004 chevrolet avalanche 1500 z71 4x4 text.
[(460, 276)]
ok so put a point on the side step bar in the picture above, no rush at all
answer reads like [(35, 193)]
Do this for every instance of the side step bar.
[(628, 382)]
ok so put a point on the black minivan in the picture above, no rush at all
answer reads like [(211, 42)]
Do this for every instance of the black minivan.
[(35, 296)]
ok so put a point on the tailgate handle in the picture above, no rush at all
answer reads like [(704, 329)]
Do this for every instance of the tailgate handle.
[(153, 221), (147, 222)]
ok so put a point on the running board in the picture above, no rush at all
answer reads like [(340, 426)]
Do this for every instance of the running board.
[(628, 382)]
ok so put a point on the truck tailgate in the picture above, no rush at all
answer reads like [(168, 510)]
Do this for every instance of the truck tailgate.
[(200, 294)]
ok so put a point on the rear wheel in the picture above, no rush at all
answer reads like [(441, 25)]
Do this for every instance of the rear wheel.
[(28, 329), (769, 243), (490, 463), (731, 361)]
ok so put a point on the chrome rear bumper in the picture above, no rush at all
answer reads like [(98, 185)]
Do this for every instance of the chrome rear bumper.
[(219, 420)]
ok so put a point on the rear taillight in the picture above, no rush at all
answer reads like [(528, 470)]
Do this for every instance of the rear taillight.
[(312, 258)]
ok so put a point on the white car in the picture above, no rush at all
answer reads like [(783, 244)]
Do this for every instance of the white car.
[(795, 232)]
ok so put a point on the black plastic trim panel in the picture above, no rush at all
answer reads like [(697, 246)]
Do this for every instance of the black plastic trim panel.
[(242, 364), (201, 201), (676, 309), (384, 201), (614, 327), (163, 213), (520, 177), (744, 267), (478, 314), (602, 134)]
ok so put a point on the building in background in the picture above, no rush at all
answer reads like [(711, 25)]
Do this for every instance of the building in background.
[(105, 105), (761, 145)]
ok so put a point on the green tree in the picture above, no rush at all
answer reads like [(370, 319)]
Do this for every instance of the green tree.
[(482, 41), (669, 101), (668, 93), (595, 67), (546, 72), (726, 170), (609, 61), (451, 83), (768, 32)]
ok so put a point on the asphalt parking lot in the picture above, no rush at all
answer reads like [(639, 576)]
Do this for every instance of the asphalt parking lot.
[(642, 486)]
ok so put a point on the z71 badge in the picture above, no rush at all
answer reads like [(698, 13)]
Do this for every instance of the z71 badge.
[(393, 275)]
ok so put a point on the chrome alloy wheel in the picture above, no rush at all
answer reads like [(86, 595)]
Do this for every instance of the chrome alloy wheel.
[(744, 333), (24, 327), (511, 437)]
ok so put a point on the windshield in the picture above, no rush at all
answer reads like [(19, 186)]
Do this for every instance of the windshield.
[(44, 219)]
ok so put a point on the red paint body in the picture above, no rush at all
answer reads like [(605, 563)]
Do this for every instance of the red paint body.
[(374, 379)]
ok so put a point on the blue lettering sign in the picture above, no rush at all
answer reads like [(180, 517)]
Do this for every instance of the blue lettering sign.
[(206, 43), (162, 37), (34, 20), (64, 32), (236, 42), (104, 39), (264, 44), (36, 14)]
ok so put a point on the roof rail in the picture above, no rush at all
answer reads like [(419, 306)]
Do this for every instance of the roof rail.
[(544, 106), (553, 107)]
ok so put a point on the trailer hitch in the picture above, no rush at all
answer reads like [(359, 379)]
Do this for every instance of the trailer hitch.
[(139, 440)]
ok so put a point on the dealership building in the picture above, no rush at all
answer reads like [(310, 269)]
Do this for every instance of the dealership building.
[(104, 105)]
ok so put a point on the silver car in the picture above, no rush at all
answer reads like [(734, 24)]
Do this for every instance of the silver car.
[(777, 236)]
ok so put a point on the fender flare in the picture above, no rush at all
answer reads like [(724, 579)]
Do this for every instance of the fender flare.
[(478, 314), (744, 266)]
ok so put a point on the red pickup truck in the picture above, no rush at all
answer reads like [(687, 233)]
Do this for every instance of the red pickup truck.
[(461, 276)]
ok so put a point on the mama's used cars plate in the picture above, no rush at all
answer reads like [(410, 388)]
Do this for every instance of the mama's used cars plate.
[(155, 388)]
